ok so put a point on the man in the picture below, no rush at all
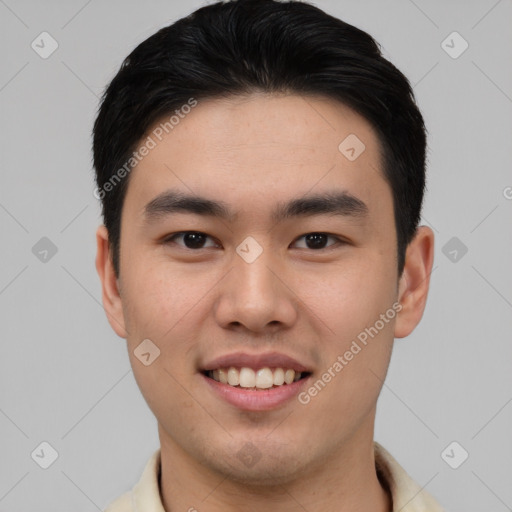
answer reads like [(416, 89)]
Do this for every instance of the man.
[(261, 169)]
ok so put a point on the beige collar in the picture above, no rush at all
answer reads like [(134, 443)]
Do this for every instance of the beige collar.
[(406, 494)]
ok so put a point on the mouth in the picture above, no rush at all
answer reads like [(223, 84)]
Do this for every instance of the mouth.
[(255, 382)]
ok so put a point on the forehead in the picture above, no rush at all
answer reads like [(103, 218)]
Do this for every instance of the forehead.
[(260, 146)]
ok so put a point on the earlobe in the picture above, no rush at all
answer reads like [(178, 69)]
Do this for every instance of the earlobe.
[(414, 282), (112, 303)]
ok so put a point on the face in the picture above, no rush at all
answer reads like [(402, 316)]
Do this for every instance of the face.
[(294, 268)]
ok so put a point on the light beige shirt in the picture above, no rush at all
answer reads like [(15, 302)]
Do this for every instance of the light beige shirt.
[(406, 493)]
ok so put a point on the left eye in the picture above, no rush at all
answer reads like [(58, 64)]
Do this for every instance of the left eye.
[(318, 241)]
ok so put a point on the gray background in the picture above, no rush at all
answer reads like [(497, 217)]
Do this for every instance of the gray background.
[(65, 377)]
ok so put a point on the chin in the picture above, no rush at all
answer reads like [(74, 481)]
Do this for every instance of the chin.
[(259, 465), (263, 475)]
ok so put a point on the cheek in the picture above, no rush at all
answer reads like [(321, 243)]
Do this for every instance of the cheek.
[(350, 296), (357, 309), (160, 296), (346, 388), (161, 385), (164, 305)]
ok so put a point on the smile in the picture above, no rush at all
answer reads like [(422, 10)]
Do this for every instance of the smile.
[(261, 379), (255, 382)]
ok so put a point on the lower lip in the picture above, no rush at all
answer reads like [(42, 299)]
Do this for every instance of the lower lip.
[(256, 400)]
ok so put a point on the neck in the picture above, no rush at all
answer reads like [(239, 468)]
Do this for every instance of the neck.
[(346, 482)]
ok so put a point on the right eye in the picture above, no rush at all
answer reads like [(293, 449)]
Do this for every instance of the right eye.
[(192, 240)]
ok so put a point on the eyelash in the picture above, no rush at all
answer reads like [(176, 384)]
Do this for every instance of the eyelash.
[(339, 241)]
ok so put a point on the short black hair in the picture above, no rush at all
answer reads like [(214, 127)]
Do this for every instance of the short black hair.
[(243, 46)]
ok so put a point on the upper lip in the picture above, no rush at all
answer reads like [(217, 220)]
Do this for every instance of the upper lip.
[(255, 361)]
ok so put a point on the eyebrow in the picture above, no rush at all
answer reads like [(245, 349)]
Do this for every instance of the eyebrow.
[(328, 203)]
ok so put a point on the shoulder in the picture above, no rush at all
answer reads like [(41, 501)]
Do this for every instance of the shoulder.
[(121, 504), (406, 494), (145, 494)]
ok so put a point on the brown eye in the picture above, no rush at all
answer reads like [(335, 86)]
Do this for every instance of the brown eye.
[(318, 241), (191, 239)]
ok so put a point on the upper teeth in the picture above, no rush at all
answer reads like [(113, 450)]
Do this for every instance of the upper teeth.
[(263, 378)]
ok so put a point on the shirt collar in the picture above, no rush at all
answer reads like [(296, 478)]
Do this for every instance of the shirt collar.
[(407, 495)]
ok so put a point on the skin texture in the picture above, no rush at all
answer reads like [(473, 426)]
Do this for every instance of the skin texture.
[(253, 152)]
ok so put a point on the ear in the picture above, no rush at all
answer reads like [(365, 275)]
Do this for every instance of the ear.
[(414, 281), (109, 283)]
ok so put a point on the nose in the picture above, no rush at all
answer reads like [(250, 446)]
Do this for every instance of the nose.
[(256, 296)]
